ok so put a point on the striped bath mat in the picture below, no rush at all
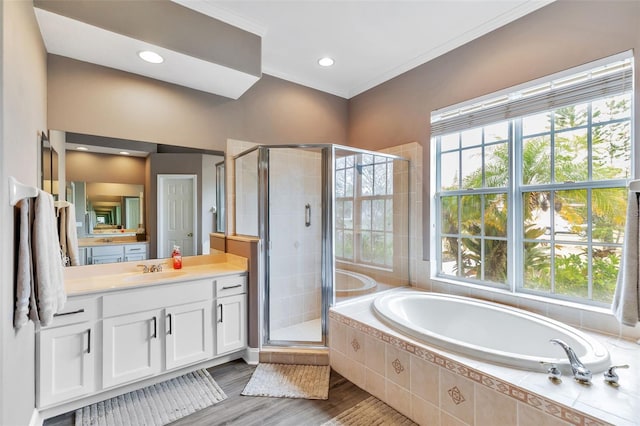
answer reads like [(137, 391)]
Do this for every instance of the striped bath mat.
[(155, 405), (289, 381), (369, 412)]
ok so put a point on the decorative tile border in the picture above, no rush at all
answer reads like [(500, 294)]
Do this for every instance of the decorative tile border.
[(524, 396)]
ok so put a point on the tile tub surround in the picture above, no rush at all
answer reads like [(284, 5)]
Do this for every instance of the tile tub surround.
[(432, 386)]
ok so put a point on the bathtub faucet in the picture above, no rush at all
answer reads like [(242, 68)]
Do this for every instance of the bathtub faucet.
[(580, 372)]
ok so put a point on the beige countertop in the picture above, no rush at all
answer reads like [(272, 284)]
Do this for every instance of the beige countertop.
[(108, 241), (82, 280)]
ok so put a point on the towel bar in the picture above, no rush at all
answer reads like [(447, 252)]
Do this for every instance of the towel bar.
[(18, 191)]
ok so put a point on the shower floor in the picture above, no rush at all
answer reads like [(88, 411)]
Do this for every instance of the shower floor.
[(308, 331)]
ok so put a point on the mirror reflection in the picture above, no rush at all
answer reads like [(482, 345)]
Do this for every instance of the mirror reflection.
[(113, 184)]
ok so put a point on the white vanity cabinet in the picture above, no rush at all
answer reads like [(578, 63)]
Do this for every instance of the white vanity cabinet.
[(135, 252), (150, 330), (231, 314), (130, 347), (116, 253), (106, 254), (188, 335), (105, 343), (66, 354)]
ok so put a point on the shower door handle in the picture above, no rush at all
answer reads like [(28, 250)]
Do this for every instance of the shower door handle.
[(307, 215)]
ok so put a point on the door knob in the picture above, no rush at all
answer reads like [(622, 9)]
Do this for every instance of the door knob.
[(190, 234)]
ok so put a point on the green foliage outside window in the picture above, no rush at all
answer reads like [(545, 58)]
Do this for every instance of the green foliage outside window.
[(562, 251)]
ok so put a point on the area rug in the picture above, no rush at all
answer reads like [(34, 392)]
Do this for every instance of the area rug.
[(289, 381), (155, 405), (370, 412)]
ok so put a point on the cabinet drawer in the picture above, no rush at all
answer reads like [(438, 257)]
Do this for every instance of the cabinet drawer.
[(135, 248), (228, 286), (155, 297), (106, 251), (76, 310)]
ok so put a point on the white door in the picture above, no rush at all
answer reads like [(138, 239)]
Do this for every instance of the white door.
[(67, 369), (130, 347), (189, 334), (231, 320), (176, 214)]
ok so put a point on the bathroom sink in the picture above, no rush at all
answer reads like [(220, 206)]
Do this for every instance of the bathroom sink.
[(154, 276)]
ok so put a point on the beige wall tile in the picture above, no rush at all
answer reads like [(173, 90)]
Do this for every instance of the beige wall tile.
[(423, 412), (399, 398), (355, 348), (397, 366), (374, 352), (374, 383), (338, 362), (529, 416), (493, 408), (356, 372), (281, 358), (425, 379), (457, 395), (337, 336), (449, 420)]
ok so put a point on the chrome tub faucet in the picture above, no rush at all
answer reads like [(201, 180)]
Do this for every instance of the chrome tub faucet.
[(581, 373)]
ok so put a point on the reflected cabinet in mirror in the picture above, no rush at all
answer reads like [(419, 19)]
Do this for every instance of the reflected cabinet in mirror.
[(116, 196)]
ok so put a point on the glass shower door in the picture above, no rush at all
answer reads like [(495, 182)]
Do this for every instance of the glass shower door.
[(295, 245)]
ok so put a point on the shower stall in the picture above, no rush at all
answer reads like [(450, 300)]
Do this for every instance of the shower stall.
[(318, 208)]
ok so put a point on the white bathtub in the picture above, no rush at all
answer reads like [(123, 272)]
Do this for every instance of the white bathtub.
[(350, 283), (487, 331)]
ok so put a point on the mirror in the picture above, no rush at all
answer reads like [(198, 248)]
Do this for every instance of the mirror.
[(115, 193), (114, 208), (221, 211), (48, 166)]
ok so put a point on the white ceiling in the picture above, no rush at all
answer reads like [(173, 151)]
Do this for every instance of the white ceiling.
[(370, 41)]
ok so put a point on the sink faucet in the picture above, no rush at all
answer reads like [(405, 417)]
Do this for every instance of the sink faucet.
[(581, 373), (145, 269), (156, 268)]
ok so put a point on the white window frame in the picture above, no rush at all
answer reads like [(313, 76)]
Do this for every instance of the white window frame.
[(489, 106), (357, 198)]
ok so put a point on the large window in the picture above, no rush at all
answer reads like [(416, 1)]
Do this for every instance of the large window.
[(535, 201), (364, 209)]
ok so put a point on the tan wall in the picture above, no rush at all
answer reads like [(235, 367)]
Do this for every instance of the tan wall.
[(557, 37), (22, 113), (93, 167), (87, 98)]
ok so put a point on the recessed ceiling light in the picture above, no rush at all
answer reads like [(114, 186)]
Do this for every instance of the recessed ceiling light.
[(124, 153), (326, 61), (82, 148), (152, 57)]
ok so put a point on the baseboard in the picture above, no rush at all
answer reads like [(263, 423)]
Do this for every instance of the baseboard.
[(252, 356), (36, 418)]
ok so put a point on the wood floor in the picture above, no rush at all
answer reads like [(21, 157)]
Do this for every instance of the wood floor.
[(250, 410)]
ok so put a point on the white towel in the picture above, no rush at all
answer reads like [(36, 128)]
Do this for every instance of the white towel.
[(72, 236), (626, 299), (24, 274), (47, 258)]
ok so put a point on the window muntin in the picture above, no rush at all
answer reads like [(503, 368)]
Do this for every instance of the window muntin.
[(364, 209), (572, 164)]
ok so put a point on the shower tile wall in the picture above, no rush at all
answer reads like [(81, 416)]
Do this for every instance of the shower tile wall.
[(234, 147), (418, 268), (295, 255)]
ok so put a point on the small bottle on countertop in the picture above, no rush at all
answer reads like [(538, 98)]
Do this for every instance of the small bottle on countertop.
[(176, 257)]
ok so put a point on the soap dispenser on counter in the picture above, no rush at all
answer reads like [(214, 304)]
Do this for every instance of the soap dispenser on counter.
[(176, 256)]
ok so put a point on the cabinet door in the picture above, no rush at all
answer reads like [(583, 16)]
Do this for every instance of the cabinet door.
[(131, 347), (132, 257), (99, 260), (66, 368), (189, 332), (231, 323)]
